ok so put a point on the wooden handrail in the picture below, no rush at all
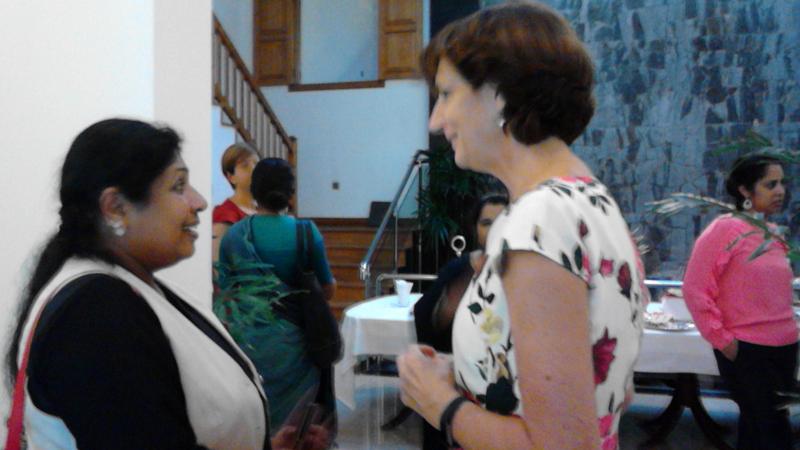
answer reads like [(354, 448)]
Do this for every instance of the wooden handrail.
[(242, 101)]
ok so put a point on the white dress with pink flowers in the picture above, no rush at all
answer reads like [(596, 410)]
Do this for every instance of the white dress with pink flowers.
[(575, 223)]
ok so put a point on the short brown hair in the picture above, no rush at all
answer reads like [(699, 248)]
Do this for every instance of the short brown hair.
[(533, 56), (233, 154)]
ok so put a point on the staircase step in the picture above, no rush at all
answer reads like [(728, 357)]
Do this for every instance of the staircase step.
[(348, 235), (353, 254), (346, 244), (349, 291), (345, 271)]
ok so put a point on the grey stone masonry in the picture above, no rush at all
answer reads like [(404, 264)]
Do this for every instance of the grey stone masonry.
[(675, 81)]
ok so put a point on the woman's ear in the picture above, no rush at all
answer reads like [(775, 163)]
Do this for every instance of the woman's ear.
[(113, 205), (743, 190), (499, 103), (499, 106)]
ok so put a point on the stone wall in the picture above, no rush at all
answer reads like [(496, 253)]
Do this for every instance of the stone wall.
[(676, 80)]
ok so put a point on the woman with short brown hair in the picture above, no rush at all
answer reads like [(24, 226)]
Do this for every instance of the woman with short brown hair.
[(546, 336)]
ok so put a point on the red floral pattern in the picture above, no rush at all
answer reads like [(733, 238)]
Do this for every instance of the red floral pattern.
[(602, 356), (585, 234), (624, 280), (610, 440), (606, 267)]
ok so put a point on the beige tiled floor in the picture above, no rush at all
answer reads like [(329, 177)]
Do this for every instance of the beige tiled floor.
[(377, 401)]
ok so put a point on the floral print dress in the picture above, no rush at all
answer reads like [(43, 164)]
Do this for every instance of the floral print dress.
[(575, 223)]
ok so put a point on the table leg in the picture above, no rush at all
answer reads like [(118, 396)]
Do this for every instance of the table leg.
[(686, 394), (666, 421), (711, 429), (401, 416)]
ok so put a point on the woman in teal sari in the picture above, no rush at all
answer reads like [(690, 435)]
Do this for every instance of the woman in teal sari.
[(266, 244)]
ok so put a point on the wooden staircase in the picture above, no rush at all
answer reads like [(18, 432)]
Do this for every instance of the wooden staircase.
[(346, 244)]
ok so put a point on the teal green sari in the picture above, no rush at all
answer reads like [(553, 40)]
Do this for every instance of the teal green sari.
[(275, 344)]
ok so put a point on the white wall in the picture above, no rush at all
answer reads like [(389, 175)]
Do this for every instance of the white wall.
[(221, 137), (236, 17), (339, 40), (69, 64), (183, 99), (362, 138)]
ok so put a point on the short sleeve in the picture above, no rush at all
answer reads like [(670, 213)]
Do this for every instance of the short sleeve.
[(321, 267), (227, 213), (549, 224)]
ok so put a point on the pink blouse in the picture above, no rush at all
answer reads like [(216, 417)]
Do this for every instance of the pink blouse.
[(732, 297)]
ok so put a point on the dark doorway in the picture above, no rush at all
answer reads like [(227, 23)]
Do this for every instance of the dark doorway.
[(446, 11)]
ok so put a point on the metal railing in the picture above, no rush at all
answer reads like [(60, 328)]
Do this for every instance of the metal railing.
[(411, 176), (243, 103), (401, 276)]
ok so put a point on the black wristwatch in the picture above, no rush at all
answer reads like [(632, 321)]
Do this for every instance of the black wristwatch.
[(446, 421)]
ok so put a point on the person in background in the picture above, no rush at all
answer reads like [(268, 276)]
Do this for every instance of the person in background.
[(743, 305), (434, 311), (278, 348), (108, 355), (546, 336), (238, 161)]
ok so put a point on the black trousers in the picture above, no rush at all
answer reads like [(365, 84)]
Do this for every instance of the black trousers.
[(754, 377)]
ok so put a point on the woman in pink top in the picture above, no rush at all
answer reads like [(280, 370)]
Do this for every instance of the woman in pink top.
[(743, 306)]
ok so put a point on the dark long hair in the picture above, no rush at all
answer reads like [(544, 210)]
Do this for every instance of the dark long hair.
[(126, 154), (746, 171), (491, 198), (272, 183)]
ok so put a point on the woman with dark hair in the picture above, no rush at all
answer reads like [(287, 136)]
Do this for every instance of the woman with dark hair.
[(546, 336), (270, 238), (105, 354), (434, 311), (238, 161), (743, 305)]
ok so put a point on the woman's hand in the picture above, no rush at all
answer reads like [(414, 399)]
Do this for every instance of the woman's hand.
[(731, 350), (285, 438), (426, 382), (317, 437)]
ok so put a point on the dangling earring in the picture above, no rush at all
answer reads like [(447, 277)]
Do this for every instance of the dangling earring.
[(501, 123), (117, 227), (747, 204)]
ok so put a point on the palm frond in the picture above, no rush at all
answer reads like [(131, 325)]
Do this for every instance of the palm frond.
[(681, 201), (245, 294)]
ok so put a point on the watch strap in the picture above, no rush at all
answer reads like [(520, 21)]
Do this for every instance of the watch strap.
[(446, 420)]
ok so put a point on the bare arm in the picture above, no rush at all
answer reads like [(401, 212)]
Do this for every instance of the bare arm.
[(554, 366), (554, 363)]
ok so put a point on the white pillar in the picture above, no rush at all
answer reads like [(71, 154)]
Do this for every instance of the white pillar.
[(66, 65)]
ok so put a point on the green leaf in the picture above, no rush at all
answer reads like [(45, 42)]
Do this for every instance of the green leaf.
[(760, 250), (245, 296), (739, 238)]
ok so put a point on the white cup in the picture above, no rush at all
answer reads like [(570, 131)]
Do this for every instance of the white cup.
[(403, 290)]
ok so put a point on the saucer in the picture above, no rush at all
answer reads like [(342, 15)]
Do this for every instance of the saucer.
[(672, 325)]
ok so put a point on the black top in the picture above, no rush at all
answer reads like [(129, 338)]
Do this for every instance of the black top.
[(427, 333), (101, 362)]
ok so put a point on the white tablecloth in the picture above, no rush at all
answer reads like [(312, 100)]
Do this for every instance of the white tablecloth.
[(374, 327)]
